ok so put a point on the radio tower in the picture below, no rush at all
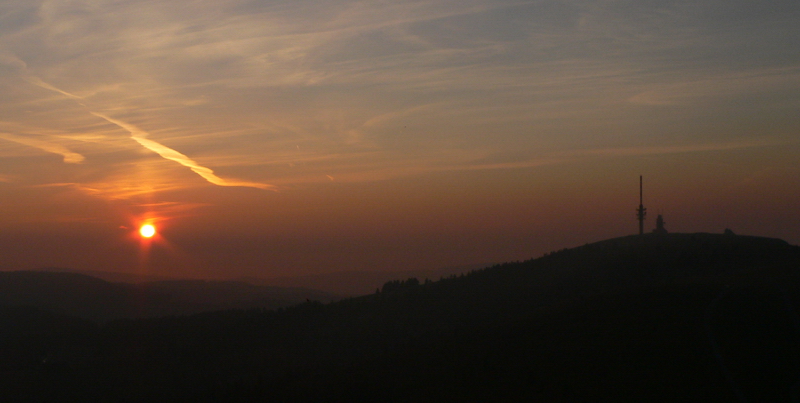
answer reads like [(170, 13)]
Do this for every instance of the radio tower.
[(641, 212)]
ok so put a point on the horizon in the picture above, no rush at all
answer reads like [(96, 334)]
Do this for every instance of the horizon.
[(273, 139), (462, 268), (351, 284)]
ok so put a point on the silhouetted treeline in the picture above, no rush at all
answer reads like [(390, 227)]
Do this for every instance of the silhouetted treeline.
[(394, 285), (682, 317)]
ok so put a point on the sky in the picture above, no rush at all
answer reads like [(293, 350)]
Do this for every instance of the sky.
[(282, 138)]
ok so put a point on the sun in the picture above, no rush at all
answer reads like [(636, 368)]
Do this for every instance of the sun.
[(147, 230)]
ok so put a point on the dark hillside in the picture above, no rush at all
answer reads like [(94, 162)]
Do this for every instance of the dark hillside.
[(92, 298), (70, 293), (681, 317)]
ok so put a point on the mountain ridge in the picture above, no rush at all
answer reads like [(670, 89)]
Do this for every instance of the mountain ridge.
[(644, 318), (88, 297)]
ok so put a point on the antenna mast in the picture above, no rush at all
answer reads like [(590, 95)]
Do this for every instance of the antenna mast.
[(641, 212)]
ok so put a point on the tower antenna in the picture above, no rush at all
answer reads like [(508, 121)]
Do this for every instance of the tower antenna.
[(641, 212)]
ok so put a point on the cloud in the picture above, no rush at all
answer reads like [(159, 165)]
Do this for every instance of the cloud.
[(167, 153), (357, 135), (136, 134), (50, 147), (679, 149), (685, 92), (9, 60), (38, 82), (250, 80)]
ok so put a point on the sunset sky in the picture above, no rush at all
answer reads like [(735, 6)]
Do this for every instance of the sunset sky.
[(280, 138)]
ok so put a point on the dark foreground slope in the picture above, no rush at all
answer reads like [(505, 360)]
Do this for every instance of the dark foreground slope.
[(686, 317)]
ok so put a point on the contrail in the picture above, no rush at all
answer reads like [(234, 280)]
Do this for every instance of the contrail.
[(140, 136), (38, 82), (69, 156), (167, 153)]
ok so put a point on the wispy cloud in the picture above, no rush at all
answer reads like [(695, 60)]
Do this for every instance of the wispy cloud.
[(679, 149), (236, 85), (137, 135), (38, 82), (47, 146), (167, 153), (487, 161), (702, 90)]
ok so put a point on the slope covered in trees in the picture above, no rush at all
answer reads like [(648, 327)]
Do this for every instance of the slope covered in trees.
[(677, 317)]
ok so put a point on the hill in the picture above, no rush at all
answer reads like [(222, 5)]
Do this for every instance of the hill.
[(688, 317), (357, 283), (92, 298)]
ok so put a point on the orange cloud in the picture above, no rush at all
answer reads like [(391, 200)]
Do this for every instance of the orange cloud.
[(69, 156), (167, 153)]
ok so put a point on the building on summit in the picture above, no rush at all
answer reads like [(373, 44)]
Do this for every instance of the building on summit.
[(660, 225)]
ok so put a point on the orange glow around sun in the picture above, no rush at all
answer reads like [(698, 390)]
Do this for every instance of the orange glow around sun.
[(147, 230)]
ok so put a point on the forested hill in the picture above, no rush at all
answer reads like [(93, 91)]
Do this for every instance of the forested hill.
[(688, 317)]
